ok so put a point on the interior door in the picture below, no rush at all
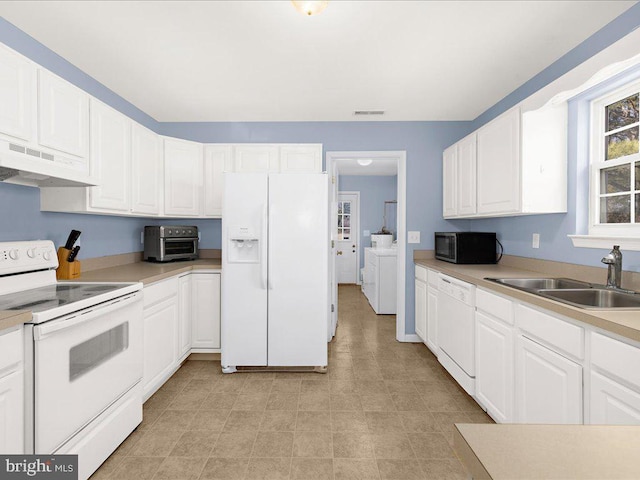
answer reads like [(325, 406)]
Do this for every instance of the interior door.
[(347, 232), (333, 232)]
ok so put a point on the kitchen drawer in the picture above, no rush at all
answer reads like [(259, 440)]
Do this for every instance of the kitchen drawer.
[(499, 307), (555, 332), (617, 358), (421, 273), (11, 345), (433, 277), (159, 291)]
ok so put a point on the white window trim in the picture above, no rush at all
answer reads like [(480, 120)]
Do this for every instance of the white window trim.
[(604, 235)]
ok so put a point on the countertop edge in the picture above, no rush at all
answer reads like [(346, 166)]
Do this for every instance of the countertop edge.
[(610, 320), (11, 318), (148, 273)]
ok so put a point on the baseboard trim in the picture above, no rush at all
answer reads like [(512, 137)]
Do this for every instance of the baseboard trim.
[(410, 338)]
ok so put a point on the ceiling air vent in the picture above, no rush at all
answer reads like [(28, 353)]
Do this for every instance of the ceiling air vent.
[(368, 112)]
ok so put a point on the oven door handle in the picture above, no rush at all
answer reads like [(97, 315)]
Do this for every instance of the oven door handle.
[(42, 331)]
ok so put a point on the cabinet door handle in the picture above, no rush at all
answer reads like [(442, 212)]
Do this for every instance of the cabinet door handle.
[(339, 252)]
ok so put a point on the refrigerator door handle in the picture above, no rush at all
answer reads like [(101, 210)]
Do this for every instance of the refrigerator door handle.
[(263, 260), (270, 276)]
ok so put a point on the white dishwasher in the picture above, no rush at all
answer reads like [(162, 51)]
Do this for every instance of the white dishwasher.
[(456, 330)]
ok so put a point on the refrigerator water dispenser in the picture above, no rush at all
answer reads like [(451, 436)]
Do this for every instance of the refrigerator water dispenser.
[(244, 245)]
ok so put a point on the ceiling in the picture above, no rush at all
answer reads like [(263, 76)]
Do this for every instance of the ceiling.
[(263, 61)]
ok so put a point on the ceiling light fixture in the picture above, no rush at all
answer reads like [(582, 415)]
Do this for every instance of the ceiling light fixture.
[(310, 7), (364, 162)]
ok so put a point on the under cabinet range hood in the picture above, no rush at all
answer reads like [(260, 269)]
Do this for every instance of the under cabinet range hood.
[(27, 166)]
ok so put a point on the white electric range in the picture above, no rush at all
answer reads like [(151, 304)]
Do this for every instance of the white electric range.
[(83, 356)]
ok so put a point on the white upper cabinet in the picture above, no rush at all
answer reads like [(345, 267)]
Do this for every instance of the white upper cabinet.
[(146, 171), (17, 95), (514, 165), (301, 158), (110, 158), (450, 182), (459, 178), (63, 115), (466, 171), (256, 158), (499, 164), (217, 160), (182, 177)]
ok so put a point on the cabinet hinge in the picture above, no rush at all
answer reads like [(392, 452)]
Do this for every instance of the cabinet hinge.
[(333, 308), (333, 244), (333, 179)]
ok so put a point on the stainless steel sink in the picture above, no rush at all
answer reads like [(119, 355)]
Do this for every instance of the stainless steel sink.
[(574, 292), (541, 283), (594, 298)]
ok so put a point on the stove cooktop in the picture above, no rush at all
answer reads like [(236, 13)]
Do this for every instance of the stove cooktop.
[(57, 295)]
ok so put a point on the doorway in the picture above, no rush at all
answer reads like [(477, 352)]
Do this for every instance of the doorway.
[(348, 242), (337, 162)]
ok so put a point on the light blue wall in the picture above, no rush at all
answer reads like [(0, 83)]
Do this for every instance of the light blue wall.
[(101, 234), (374, 191)]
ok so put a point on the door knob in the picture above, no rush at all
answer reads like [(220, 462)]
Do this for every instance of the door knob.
[(353, 246), (339, 252), (353, 251)]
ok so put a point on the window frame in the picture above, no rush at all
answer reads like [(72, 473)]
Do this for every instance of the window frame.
[(597, 145)]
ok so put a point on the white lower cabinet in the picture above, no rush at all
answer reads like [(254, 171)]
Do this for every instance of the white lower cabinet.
[(548, 385), (12, 392), (432, 312), (161, 320), (186, 309), (181, 316), (612, 403), (421, 293), (206, 312), (494, 367), (614, 382)]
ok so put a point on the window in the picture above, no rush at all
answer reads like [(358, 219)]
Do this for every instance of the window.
[(615, 163), (344, 220)]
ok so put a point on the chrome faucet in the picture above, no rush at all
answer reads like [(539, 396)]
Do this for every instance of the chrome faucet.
[(613, 260)]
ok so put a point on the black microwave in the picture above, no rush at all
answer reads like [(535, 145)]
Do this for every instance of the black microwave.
[(466, 247)]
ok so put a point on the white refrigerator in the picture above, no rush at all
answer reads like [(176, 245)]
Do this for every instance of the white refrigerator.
[(275, 270)]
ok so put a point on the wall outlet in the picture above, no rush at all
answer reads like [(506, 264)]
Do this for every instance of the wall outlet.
[(366, 233), (535, 241), (413, 237)]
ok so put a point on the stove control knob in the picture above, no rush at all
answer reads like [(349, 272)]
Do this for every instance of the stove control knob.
[(46, 255), (14, 254), (31, 253)]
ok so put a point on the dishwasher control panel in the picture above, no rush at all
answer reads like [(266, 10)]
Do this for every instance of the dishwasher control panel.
[(462, 291)]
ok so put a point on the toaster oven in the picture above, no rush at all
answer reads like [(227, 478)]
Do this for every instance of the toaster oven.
[(165, 243)]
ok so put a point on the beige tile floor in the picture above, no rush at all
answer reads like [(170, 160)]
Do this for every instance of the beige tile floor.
[(385, 410)]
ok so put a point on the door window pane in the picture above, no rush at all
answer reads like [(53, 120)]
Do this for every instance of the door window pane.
[(637, 208), (615, 179), (88, 355), (638, 176), (622, 113), (615, 209), (622, 143)]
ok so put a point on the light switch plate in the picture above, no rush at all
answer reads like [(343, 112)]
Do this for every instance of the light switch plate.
[(413, 237), (535, 240)]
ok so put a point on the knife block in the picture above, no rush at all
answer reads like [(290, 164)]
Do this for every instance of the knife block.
[(66, 270)]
